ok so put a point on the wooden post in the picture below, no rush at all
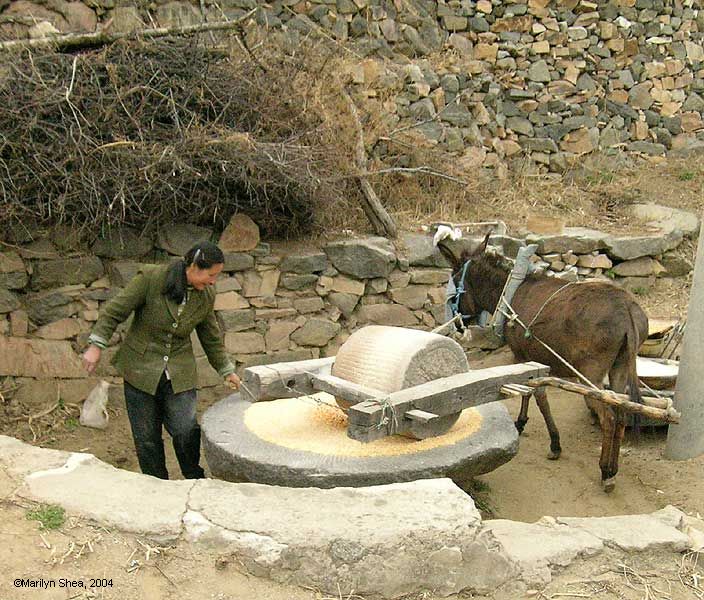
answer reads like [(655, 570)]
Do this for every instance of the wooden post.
[(686, 440), (283, 380), (434, 405)]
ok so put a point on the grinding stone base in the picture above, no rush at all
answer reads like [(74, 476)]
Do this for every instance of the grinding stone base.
[(235, 454)]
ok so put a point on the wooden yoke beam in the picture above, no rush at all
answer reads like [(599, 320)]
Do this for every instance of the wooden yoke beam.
[(283, 380), (377, 418)]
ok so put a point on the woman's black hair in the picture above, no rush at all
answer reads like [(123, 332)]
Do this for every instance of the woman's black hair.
[(203, 255)]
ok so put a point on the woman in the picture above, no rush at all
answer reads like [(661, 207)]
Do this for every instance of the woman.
[(156, 358)]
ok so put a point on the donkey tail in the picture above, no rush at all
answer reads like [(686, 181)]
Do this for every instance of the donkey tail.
[(631, 345)]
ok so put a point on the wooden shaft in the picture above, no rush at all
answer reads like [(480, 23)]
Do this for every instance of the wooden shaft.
[(620, 401)]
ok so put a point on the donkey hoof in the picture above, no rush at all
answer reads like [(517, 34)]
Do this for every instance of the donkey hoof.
[(520, 426), (609, 484), (554, 455)]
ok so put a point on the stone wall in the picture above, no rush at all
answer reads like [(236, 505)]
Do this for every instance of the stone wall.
[(488, 81), (278, 306)]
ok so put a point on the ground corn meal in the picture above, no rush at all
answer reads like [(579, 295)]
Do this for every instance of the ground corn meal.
[(315, 424)]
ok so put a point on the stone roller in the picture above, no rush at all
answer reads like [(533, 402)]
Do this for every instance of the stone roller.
[(390, 359)]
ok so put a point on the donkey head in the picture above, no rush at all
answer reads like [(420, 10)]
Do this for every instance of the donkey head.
[(464, 267)]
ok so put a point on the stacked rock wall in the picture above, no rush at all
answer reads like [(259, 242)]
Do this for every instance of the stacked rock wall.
[(539, 78), (274, 306)]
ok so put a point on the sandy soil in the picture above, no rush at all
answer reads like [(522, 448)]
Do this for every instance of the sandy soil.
[(133, 568), (525, 489)]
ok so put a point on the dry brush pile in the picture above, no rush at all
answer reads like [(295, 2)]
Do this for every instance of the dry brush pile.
[(142, 133)]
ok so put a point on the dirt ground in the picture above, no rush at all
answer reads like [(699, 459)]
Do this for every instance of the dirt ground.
[(130, 567), (525, 489)]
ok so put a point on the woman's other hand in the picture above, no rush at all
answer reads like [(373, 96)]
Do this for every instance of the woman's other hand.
[(233, 381), (91, 358)]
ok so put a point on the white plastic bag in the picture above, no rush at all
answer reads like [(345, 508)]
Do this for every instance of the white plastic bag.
[(446, 232), (93, 411)]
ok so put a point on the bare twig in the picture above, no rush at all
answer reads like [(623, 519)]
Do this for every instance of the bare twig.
[(422, 169), (72, 41), (380, 219)]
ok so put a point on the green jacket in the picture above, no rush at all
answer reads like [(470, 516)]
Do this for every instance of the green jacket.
[(158, 337)]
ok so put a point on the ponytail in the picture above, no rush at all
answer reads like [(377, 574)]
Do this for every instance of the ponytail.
[(176, 282)]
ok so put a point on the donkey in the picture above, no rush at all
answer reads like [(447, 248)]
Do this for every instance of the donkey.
[(594, 326)]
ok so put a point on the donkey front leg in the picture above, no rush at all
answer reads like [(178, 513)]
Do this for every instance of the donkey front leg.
[(541, 398), (613, 425)]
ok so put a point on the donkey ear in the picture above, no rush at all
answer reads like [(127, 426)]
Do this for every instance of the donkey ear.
[(481, 248), (449, 255)]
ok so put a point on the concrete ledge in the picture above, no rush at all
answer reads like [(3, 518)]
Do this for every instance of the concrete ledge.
[(388, 540), (382, 539)]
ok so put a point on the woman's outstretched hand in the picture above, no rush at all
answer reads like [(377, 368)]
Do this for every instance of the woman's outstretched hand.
[(91, 358), (233, 381)]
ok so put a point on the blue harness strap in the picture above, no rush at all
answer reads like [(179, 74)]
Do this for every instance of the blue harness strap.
[(454, 300)]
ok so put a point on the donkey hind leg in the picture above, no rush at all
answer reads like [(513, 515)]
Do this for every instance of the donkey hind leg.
[(541, 398), (609, 421), (613, 425), (522, 418)]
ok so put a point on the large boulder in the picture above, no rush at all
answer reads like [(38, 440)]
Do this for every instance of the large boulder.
[(364, 258), (23, 357), (66, 271), (8, 301), (240, 235), (387, 314), (419, 250), (627, 248), (46, 308), (667, 218), (13, 273), (311, 262), (179, 238), (122, 242), (316, 332), (577, 239)]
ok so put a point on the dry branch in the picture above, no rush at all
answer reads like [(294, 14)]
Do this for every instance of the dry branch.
[(77, 41), (618, 401), (381, 221), (145, 133)]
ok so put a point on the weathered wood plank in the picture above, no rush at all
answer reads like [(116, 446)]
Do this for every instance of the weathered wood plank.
[(352, 392), (445, 396), (421, 416), (283, 380), (408, 427), (516, 389)]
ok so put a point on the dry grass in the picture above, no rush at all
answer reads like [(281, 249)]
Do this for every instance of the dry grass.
[(596, 195)]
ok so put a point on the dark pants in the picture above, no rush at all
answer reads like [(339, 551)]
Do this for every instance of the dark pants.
[(177, 413)]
